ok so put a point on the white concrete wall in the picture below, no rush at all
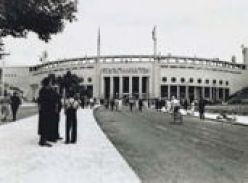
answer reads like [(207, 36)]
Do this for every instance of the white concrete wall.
[(22, 78)]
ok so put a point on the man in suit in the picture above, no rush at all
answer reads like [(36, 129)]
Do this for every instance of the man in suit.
[(201, 105), (15, 103)]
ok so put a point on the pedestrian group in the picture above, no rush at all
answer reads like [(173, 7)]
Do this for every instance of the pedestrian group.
[(50, 104)]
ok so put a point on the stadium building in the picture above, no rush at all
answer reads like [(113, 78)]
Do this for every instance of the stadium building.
[(143, 76)]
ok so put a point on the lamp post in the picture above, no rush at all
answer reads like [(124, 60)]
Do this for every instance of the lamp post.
[(2, 54)]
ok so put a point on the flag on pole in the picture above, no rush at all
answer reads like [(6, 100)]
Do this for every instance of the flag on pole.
[(154, 33)]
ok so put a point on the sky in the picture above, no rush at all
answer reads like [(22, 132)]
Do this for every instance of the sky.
[(202, 28)]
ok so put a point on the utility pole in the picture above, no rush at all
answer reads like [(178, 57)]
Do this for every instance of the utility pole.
[(2, 54)]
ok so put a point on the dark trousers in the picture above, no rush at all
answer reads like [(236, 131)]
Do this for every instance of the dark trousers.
[(71, 127), (42, 140), (140, 108), (202, 115), (14, 111), (131, 107), (57, 135)]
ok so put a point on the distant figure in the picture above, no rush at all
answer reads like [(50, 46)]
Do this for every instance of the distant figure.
[(201, 106), (192, 108), (5, 110), (82, 98), (140, 105), (112, 104), (106, 103), (168, 106), (116, 104), (91, 102), (131, 103), (71, 106), (120, 104), (175, 104), (185, 104), (15, 102)]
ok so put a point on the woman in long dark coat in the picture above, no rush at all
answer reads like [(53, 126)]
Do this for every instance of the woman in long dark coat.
[(46, 103)]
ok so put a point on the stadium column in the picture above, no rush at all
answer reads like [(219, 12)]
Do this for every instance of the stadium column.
[(203, 92), (169, 92), (150, 87), (187, 92), (102, 87), (217, 93), (130, 86), (121, 87), (210, 93), (178, 92), (224, 94), (111, 87), (195, 93), (140, 87)]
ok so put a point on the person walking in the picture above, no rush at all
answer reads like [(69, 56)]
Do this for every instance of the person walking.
[(140, 105), (46, 112), (112, 104), (5, 110), (15, 102), (131, 103), (120, 104), (201, 105), (71, 106), (185, 104)]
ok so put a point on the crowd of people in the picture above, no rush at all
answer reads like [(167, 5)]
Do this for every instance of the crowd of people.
[(9, 105), (183, 106), (117, 103)]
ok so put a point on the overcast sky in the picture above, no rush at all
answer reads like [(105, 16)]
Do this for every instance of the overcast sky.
[(204, 28)]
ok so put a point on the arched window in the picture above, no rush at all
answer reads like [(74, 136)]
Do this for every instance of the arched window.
[(227, 83), (207, 81), (221, 82), (199, 81), (214, 81)]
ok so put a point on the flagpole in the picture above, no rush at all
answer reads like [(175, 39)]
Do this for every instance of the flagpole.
[(154, 38), (99, 44), (98, 82)]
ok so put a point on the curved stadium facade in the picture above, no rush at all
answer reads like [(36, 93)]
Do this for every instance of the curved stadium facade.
[(143, 76)]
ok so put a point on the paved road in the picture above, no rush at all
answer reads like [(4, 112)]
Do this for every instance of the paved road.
[(23, 112), (195, 152)]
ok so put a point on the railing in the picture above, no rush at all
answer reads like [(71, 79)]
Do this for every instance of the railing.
[(138, 58)]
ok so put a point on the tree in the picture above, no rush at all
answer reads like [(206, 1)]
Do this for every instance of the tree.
[(43, 17), (68, 82)]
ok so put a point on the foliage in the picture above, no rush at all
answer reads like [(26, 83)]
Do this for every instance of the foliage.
[(68, 82), (44, 17)]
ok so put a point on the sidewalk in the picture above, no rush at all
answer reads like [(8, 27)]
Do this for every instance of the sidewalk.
[(92, 160)]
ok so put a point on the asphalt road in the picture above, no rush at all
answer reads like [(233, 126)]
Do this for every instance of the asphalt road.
[(161, 152)]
